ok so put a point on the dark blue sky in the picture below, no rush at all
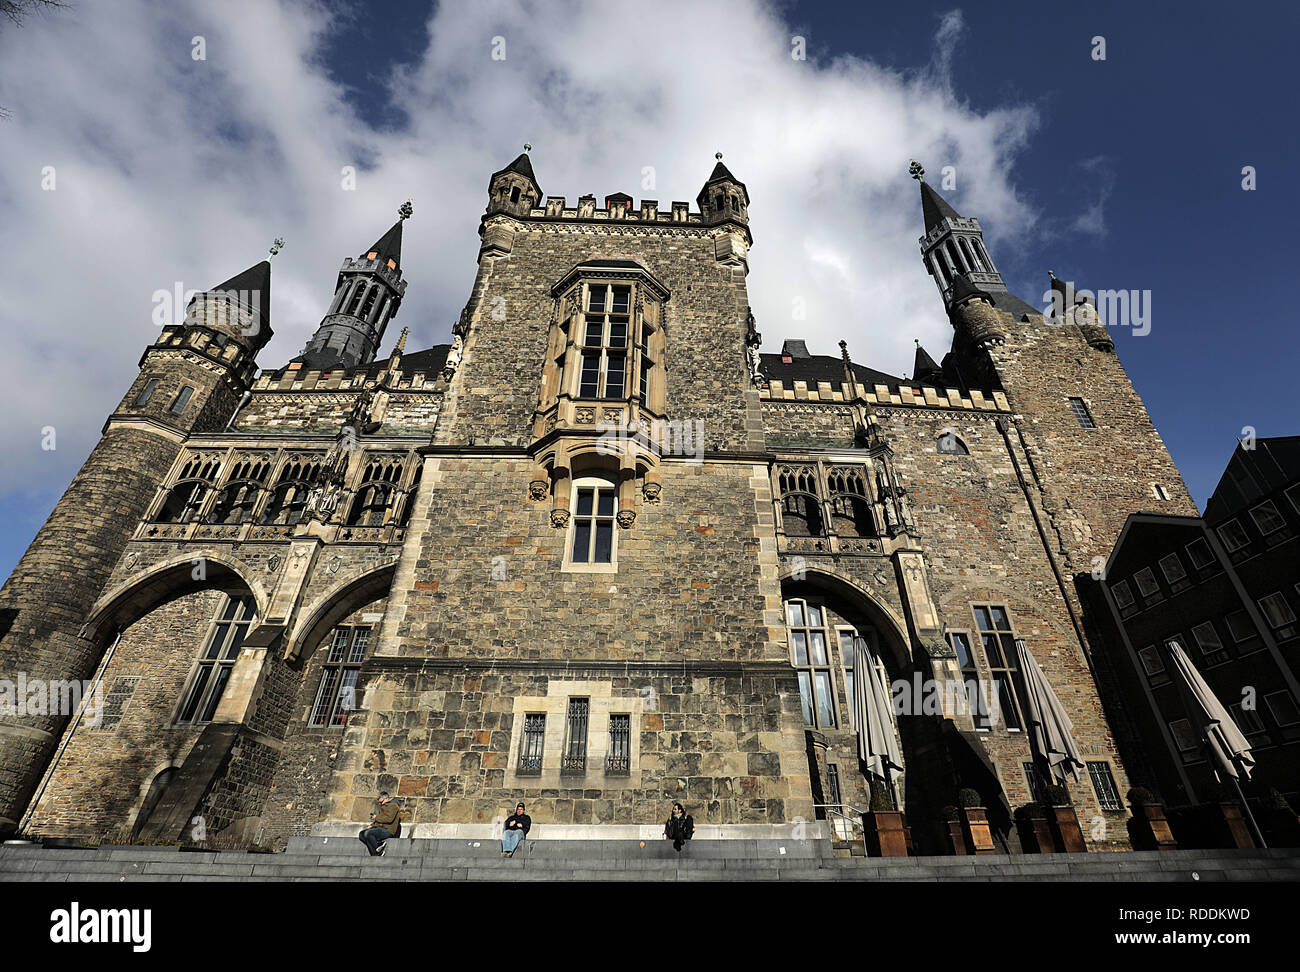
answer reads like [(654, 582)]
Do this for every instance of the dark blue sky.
[(1188, 94)]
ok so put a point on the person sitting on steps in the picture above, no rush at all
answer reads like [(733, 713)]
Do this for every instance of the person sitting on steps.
[(679, 828), (515, 830), (385, 823)]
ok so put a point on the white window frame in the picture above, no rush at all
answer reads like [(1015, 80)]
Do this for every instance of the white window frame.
[(1155, 653), (1165, 564), (601, 482), (1227, 542), (1280, 626), (1126, 600), (1279, 518), (1276, 717)]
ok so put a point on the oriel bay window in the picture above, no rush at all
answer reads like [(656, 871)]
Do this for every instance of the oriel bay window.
[(217, 659), (605, 333)]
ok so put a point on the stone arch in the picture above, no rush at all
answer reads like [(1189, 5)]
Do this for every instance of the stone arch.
[(153, 585), (150, 789), (317, 618), (886, 621)]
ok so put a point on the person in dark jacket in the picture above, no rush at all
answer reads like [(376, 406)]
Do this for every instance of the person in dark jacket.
[(679, 828), (515, 830), (385, 823)]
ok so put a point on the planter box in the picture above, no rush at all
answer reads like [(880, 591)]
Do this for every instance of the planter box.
[(979, 838), (885, 834), (1234, 821), (957, 836), (1064, 824), (1151, 828), (1036, 835)]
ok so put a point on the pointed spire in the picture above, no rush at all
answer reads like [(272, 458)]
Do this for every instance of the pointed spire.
[(401, 341), (251, 290), (522, 166), (389, 246), (924, 368), (934, 207)]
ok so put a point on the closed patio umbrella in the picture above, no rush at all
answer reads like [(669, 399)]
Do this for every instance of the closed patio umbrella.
[(1050, 729), (874, 713), (1229, 751)]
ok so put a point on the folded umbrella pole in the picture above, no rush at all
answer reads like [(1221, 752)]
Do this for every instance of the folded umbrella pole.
[(874, 714), (1051, 733)]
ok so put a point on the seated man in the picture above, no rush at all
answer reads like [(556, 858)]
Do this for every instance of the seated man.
[(515, 830), (385, 823)]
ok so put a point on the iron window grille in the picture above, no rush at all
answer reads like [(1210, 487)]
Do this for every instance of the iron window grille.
[(994, 624), (574, 759), (1103, 784), (619, 760), (1082, 414), (217, 661), (530, 751), (336, 694)]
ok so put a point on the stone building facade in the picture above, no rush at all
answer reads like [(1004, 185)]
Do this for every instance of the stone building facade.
[(598, 554)]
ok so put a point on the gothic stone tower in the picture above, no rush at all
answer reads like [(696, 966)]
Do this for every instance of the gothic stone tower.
[(587, 614), (190, 380)]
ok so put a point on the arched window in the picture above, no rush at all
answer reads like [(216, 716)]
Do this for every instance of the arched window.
[(156, 790), (850, 506), (286, 505), (950, 445), (235, 503), (408, 501), (371, 504), (592, 535), (183, 502), (801, 508)]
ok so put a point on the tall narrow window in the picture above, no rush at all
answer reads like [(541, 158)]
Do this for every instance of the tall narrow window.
[(811, 659), (530, 749), (1081, 413), (336, 695), (575, 747), (182, 400), (999, 648), (147, 392), (594, 506), (970, 677), (218, 659), (605, 334), (619, 759), (1103, 784)]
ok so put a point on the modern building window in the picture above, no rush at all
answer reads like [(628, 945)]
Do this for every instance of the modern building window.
[(575, 747), (336, 695), (1207, 640), (1082, 414), (1147, 585), (1267, 518), (1174, 571), (994, 625), (619, 758), (605, 330), (970, 676), (1151, 660), (1283, 707), (1293, 494), (530, 747), (1103, 784), (1248, 720), (147, 392), (811, 658), (182, 399), (1184, 736), (1123, 594), (217, 660), (1199, 552), (1233, 536), (1279, 614), (1243, 632), (595, 502)]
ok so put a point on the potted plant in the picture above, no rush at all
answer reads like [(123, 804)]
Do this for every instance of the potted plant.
[(1149, 827), (1062, 819), (1279, 820), (952, 825), (975, 822), (884, 824), (1035, 834)]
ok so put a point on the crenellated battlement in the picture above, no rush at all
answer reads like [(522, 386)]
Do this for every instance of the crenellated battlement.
[(618, 208), (914, 395)]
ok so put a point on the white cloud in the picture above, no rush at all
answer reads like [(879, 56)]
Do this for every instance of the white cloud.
[(172, 170), (1100, 171)]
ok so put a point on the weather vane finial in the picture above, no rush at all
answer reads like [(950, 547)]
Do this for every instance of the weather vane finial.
[(528, 146), (405, 210), (718, 156), (276, 246), (915, 171)]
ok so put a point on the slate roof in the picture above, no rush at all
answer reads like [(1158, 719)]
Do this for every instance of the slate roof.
[(934, 207), (389, 246), (256, 279)]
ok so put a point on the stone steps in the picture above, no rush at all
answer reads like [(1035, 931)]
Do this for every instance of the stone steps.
[(321, 859)]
